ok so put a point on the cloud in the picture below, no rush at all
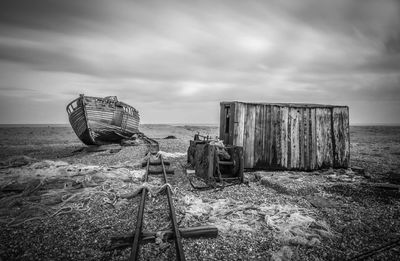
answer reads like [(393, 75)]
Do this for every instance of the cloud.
[(52, 15), (392, 43), (170, 53)]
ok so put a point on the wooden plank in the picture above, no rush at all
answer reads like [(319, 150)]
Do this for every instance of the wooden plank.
[(79, 126), (310, 139), (252, 114), (264, 134), (231, 123), (190, 232), (336, 136), (271, 138), (295, 138), (346, 137), (242, 123), (329, 138), (340, 131), (221, 121), (278, 134), (324, 138), (313, 163), (387, 186), (78, 117), (274, 135), (211, 162), (258, 138), (239, 120), (289, 140), (284, 136), (301, 137), (246, 148), (248, 142), (124, 240), (268, 136), (158, 171), (306, 138), (236, 124), (77, 113), (319, 136)]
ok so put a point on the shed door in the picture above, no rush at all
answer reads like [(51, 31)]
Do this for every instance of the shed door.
[(228, 124)]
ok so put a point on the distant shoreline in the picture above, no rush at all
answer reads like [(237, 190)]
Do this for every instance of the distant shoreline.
[(33, 125), (68, 125), (181, 124)]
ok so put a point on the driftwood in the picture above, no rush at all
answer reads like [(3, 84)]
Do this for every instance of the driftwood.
[(394, 177), (387, 186), (171, 172), (358, 170), (13, 188), (156, 163), (375, 251), (126, 240)]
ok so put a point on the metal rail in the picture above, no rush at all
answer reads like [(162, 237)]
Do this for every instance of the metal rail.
[(139, 223), (180, 255)]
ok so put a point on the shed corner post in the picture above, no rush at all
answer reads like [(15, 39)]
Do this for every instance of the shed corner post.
[(232, 117), (221, 121), (348, 137)]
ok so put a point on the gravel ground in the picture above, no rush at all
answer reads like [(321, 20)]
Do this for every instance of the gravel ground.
[(360, 217)]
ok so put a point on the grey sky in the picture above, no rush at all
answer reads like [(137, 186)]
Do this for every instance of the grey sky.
[(175, 60)]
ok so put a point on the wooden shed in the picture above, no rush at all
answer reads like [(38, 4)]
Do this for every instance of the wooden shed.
[(287, 136)]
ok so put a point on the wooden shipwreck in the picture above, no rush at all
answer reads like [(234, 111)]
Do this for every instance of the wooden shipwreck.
[(287, 136), (98, 121)]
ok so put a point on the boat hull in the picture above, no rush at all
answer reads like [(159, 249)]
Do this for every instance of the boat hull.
[(99, 121)]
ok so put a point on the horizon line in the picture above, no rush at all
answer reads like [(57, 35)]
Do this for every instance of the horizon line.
[(166, 123)]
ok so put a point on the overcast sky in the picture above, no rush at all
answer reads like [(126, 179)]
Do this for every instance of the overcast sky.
[(176, 60)]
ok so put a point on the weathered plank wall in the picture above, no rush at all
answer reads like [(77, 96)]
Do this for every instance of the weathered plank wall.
[(289, 136)]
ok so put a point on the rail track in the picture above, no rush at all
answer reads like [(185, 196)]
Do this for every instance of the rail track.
[(138, 237), (153, 145), (138, 234)]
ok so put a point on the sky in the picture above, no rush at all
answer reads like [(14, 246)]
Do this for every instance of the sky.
[(175, 61)]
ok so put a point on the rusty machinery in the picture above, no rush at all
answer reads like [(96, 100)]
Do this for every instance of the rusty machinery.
[(215, 162)]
